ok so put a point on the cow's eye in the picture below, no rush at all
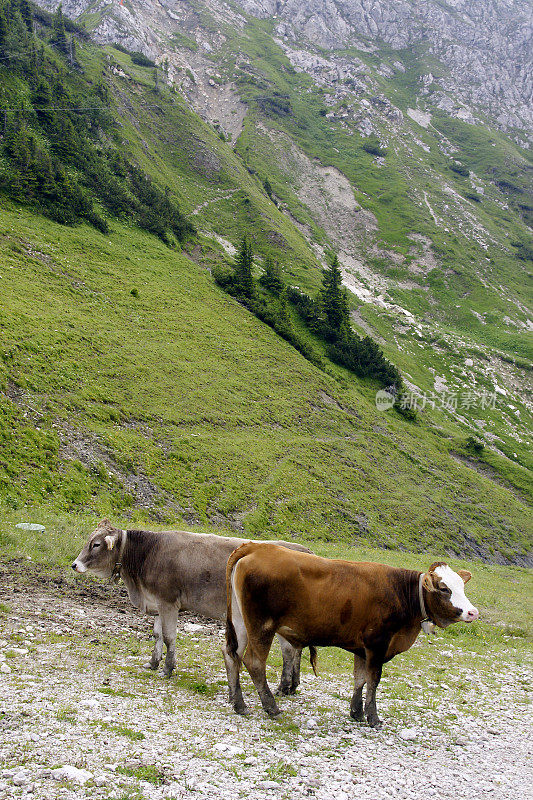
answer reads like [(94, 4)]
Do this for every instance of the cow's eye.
[(95, 544), (445, 590)]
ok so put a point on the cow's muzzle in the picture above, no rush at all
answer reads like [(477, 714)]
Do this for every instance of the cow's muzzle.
[(77, 566)]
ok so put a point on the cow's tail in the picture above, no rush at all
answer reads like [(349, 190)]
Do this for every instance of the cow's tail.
[(312, 657), (231, 637)]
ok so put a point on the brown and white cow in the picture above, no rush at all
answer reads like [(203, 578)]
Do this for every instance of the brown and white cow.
[(169, 572), (371, 610)]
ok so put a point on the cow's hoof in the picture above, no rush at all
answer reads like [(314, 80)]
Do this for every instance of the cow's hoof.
[(357, 716), (273, 713), (151, 666), (167, 672), (242, 709), (284, 690), (374, 722)]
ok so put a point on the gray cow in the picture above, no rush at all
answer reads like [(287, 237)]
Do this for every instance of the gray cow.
[(174, 571)]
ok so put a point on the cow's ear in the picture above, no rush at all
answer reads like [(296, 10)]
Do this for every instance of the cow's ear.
[(465, 574), (110, 542), (427, 582)]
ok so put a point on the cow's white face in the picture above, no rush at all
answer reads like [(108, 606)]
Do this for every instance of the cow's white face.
[(445, 596), (458, 599)]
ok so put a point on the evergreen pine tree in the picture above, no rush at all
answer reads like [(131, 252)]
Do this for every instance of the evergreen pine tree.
[(59, 37), (244, 282), (271, 278), (32, 70), (41, 95), (284, 313), (3, 32), (333, 300), (72, 51), (267, 187), (26, 14)]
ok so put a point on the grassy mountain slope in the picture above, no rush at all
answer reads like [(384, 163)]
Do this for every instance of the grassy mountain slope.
[(436, 258), (174, 401), (180, 402)]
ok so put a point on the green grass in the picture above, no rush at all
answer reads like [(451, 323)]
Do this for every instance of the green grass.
[(208, 414), (144, 772), (122, 730), (132, 386)]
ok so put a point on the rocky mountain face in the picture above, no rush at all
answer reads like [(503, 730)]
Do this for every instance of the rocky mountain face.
[(482, 51), (485, 47)]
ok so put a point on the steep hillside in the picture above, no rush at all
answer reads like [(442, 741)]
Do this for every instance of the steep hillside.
[(130, 382), (382, 141), (179, 402)]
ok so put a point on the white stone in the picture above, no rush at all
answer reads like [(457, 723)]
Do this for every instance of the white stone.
[(20, 779), (89, 702), (421, 117), (234, 751), (409, 734), (30, 526), (5, 669), (69, 773), (193, 627)]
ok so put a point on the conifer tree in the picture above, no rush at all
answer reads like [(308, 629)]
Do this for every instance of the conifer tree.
[(26, 14), (3, 32), (41, 95), (72, 51), (267, 187), (271, 278), (284, 313), (333, 300), (59, 37), (244, 282)]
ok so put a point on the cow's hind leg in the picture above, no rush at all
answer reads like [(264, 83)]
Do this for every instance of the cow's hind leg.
[(233, 651), (157, 652), (169, 621), (359, 675), (290, 675), (296, 669), (374, 666), (255, 662)]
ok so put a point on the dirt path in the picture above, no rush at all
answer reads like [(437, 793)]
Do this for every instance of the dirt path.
[(75, 694), (212, 200)]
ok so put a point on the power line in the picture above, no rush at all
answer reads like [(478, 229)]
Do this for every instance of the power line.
[(66, 108), (16, 55), (48, 108)]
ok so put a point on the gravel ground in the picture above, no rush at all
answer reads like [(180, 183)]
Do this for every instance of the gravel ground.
[(81, 718)]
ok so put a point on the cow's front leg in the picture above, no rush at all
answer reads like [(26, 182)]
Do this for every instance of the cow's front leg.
[(290, 675), (157, 652), (359, 675), (374, 666), (169, 621)]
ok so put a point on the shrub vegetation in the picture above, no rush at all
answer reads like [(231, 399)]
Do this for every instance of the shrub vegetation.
[(327, 316), (61, 151)]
